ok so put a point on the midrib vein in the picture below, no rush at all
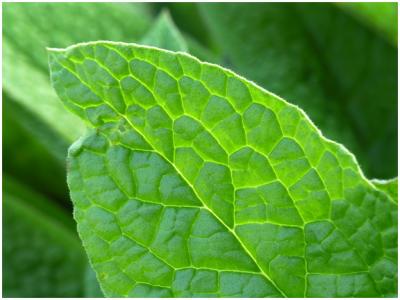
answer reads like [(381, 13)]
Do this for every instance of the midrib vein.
[(262, 272), (209, 209)]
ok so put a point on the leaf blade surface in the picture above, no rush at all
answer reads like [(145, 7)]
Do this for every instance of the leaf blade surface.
[(170, 198)]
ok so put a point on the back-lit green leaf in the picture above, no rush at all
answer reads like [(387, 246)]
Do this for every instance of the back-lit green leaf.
[(197, 182)]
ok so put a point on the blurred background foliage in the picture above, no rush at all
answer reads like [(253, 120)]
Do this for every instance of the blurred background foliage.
[(336, 61)]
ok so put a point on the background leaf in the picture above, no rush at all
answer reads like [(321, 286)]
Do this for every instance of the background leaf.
[(164, 34), (381, 17), (27, 34), (24, 150), (42, 255)]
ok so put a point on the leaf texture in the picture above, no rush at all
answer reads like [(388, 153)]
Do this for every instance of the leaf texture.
[(196, 182)]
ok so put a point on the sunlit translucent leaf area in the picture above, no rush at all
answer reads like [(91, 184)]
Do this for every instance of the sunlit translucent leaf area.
[(200, 150)]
